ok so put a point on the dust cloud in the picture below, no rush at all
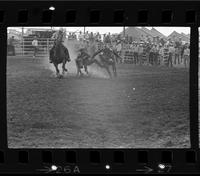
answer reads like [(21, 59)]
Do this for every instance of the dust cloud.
[(72, 46)]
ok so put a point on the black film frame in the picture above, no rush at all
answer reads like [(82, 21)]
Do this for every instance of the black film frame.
[(112, 13)]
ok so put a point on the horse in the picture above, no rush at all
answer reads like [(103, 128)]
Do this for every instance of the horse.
[(81, 64), (59, 55), (82, 61), (107, 58)]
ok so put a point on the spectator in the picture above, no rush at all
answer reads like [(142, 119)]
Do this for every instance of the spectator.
[(118, 49), (64, 35), (98, 37), (156, 53), (148, 48), (95, 37), (80, 37), (35, 46), (171, 54), (176, 57), (11, 45), (135, 53), (104, 38), (140, 53), (160, 54), (182, 48), (162, 41), (108, 38), (152, 55), (186, 56), (86, 36), (166, 55), (74, 37), (91, 37), (69, 36)]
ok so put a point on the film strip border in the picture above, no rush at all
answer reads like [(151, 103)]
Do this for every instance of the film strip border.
[(103, 14), (100, 161), (47, 16), (98, 13)]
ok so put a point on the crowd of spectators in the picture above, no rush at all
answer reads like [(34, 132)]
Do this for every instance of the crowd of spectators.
[(157, 52), (170, 53), (90, 36)]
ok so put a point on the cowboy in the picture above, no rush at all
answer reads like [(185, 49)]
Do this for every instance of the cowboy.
[(58, 36), (106, 54), (82, 57)]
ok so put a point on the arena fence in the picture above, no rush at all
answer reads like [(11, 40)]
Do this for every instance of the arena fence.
[(143, 59), (24, 47)]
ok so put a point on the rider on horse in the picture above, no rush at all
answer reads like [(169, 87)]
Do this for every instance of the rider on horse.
[(82, 57), (58, 38), (106, 54)]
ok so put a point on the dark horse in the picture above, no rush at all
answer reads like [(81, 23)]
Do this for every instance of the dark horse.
[(107, 58), (59, 55), (82, 61)]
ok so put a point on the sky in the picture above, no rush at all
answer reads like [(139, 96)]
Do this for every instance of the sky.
[(102, 30)]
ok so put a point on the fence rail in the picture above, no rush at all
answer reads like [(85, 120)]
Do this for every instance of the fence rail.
[(24, 47)]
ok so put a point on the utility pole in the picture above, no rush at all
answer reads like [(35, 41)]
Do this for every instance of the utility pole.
[(22, 32), (124, 31), (84, 33), (22, 40)]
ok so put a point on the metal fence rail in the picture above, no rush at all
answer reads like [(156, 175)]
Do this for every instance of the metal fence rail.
[(24, 47)]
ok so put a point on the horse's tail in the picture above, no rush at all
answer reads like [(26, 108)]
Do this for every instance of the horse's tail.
[(67, 54)]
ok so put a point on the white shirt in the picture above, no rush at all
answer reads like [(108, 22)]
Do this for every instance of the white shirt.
[(186, 52), (171, 49), (35, 42), (80, 36), (55, 35), (119, 47)]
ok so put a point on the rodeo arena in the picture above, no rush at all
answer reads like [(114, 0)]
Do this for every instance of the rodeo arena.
[(84, 89)]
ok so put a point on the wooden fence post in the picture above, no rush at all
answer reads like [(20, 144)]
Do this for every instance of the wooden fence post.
[(47, 45), (22, 46)]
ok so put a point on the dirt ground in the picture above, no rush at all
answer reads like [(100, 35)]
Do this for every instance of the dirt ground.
[(144, 107)]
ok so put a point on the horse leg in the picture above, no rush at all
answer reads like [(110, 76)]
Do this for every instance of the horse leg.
[(114, 70), (57, 70), (77, 68), (86, 70), (79, 73), (107, 69), (63, 67)]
